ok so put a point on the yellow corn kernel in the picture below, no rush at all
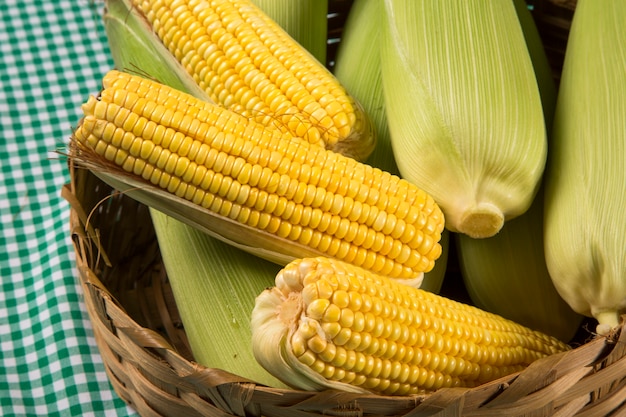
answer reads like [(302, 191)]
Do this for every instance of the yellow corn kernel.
[(264, 178), (246, 62), (405, 340)]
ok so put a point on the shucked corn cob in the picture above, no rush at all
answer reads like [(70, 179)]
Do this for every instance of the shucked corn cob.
[(327, 324), (303, 198), (246, 62)]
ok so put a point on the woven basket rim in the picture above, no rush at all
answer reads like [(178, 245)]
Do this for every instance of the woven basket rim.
[(150, 374)]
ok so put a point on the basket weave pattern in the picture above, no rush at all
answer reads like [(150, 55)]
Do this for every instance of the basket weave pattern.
[(148, 360), (142, 342)]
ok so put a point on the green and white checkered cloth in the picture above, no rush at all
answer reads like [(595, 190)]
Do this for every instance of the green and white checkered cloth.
[(53, 54)]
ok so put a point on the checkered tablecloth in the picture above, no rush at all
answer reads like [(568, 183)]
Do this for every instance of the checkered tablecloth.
[(53, 54)]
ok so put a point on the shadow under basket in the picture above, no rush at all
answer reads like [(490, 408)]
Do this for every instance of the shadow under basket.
[(142, 342)]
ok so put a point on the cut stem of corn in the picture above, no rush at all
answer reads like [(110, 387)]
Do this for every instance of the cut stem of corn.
[(327, 324), (244, 61), (255, 180)]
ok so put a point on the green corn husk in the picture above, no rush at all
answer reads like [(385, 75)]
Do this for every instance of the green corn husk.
[(463, 108), (358, 68), (214, 287), (497, 271), (585, 216)]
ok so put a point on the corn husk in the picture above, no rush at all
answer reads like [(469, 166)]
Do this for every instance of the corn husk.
[(497, 271), (214, 286), (358, 68)]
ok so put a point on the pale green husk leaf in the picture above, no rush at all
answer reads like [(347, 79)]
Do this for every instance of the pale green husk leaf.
[(506, 274), (214, 286), (358, 68)]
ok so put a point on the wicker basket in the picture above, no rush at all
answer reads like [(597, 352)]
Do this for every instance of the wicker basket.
[(149, 363)]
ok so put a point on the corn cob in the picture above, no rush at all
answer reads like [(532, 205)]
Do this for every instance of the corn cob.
[(327, 324), (258, 181), (585, 220), (463, 108), (247, 63)]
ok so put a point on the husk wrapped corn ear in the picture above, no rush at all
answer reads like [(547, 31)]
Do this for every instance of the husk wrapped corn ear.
[(463, 108), (585, 219)]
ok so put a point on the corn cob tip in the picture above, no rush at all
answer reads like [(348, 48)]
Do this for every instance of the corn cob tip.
[(276, 314), (481, 221)]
